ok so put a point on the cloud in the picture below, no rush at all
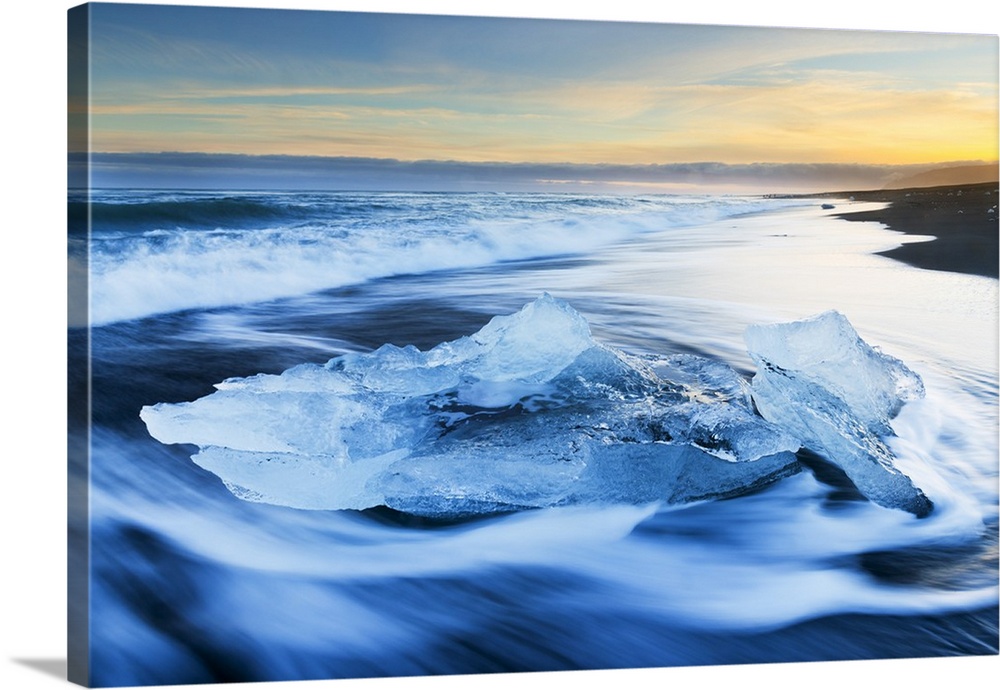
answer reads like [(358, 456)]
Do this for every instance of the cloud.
[(239, 171), (477, 89), (820, 114)]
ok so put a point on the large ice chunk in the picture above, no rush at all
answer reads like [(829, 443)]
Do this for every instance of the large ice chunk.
[(529, 411), (820, 381)]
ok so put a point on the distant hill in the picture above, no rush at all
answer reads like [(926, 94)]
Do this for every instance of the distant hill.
[(942, 177)]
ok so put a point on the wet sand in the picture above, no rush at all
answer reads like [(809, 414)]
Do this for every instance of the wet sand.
[(962, 219)]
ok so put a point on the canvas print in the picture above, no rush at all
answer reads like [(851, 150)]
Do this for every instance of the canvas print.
[(412, 345)]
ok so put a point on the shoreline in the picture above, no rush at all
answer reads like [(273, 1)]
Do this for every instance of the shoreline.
[(959, 217)]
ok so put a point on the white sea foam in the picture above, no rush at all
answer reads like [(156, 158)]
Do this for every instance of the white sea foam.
[(170, 257)]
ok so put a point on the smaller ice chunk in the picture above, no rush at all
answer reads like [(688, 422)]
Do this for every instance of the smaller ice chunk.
[(820, 381)]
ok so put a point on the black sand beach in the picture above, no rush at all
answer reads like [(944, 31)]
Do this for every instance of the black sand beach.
[(962, 218)]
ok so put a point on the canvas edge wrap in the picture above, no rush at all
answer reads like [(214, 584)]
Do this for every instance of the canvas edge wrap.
[(78, 352)]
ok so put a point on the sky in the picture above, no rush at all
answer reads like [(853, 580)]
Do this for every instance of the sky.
[(201, 97)]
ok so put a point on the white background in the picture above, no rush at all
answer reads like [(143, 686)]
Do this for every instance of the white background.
[(32, 377)]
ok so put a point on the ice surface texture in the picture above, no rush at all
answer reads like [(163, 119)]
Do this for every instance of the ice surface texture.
[(820, 381), (528, 412), (531, 412)]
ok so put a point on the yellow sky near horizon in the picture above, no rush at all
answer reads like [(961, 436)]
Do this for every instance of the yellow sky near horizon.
[(818, 122)]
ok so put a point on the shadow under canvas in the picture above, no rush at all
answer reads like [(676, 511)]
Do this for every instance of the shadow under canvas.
[(56, 668)]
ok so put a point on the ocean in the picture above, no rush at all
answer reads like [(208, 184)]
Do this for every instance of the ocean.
[(193, 582)]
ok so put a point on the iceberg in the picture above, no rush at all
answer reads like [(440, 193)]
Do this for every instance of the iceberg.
[(528, 412), (821, 382)]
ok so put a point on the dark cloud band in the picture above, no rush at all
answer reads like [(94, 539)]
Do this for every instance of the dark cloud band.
[(239, 171)]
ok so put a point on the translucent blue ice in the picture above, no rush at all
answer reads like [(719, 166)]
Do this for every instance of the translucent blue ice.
[(820, 381), (530, 411), (527, 412)]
